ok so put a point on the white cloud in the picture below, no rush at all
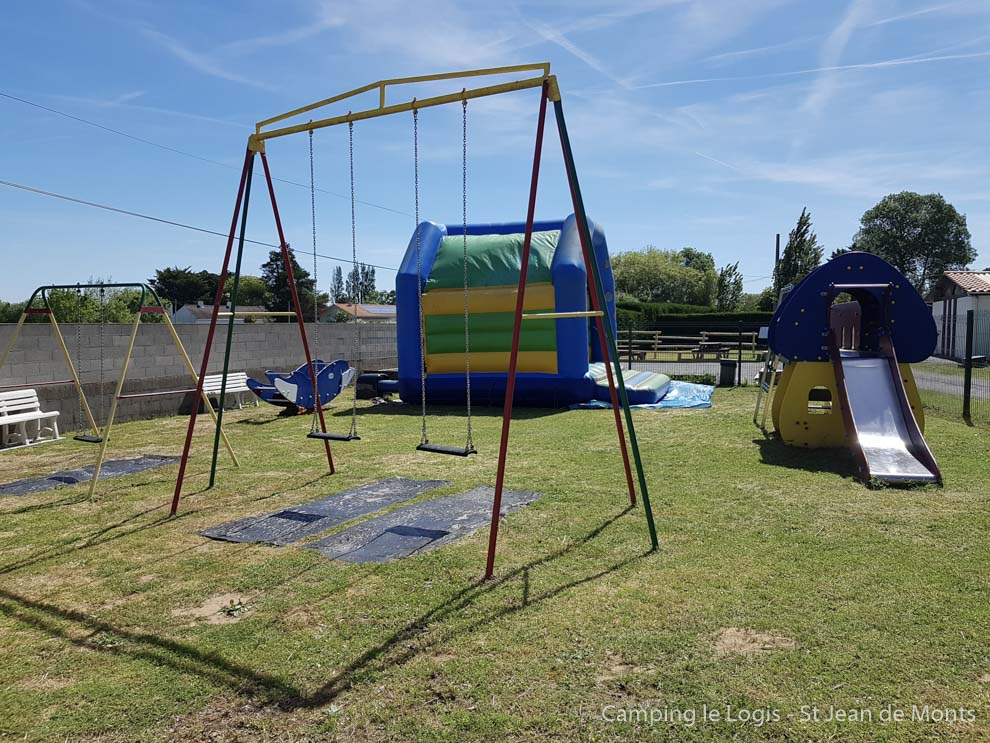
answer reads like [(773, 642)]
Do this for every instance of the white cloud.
[(200, 62)]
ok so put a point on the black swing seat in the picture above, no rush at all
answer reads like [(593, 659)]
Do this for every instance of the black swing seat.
[(88, 439), (454, 451), (332, 436)]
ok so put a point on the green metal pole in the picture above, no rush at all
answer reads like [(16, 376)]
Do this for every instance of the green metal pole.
[(230, 327), (582, 222)]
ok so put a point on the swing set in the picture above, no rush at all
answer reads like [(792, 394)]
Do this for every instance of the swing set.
[(279, 126), (149, 303)]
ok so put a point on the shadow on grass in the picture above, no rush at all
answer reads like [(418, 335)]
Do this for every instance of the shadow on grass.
[(98, 537), (775, 452), (84, 630)]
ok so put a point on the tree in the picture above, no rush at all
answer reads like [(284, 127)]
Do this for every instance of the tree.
[(354, 284), (654, 275), (729, 288), (337, 291), (767, 299), (251, 290), (367, 281), (801, 255), (279, 295), (380, 296), (919, 235), (181, 286), (11, 311)]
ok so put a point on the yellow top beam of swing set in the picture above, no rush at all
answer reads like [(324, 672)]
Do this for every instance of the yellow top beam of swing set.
[(256, 142)]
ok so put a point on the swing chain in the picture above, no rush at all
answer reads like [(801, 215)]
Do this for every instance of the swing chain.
[(357, 281), (469, 444), (103, 322), (419, 280), (314, 424), (79, 303)]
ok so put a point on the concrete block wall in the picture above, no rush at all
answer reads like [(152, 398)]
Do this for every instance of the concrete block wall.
[(156, 363)]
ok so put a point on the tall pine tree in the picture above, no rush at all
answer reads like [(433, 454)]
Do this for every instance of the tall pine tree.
[(801, 256), (337, 291)]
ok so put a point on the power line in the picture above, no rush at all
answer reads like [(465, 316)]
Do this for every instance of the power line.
[(161, 220), (194, 156)]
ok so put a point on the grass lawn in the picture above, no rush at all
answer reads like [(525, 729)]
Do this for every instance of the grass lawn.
[(781, 583)]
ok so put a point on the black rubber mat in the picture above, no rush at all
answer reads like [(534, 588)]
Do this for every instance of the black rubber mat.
[(114, 468), (298, 522), (419, 528)]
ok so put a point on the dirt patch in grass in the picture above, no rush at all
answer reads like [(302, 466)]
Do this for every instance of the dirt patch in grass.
[(984, 679), (739, 641), (45, 683), (226, 608), (235, 720)]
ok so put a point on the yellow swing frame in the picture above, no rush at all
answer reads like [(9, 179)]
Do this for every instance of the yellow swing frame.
[(143, 309)]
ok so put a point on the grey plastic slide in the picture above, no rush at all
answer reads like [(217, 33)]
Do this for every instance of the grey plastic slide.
[(891, 444)]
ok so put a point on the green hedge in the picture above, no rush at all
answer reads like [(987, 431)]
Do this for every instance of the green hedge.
[(631, 314)]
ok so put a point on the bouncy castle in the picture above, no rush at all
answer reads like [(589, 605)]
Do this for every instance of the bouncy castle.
[(560, 362)]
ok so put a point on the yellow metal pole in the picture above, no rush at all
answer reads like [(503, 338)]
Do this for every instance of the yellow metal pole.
[(195, 379), (561, 315), (249, 313), (381, 85), (75, 376), (13, 338), (256, 142), (113, 407), (773, 383)]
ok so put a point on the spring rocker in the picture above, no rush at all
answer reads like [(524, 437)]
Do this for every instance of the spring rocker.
[(846, 379)]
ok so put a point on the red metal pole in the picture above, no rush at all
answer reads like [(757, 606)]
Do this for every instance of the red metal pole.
[(245, 174), (510, 386), (295, 303)]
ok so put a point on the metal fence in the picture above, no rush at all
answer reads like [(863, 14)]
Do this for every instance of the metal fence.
[(707, 352), (956, 380)]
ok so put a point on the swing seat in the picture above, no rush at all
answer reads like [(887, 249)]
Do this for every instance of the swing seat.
[(332, 436), (89, 439), (454, 451)]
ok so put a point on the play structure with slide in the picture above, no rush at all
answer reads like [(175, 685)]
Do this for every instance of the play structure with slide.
[(846, 379)]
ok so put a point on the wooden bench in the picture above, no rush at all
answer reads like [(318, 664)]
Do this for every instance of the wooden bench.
[(23, 422), (236, 386)]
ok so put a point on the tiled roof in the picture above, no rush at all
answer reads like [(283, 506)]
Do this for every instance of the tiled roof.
[(974, 282)]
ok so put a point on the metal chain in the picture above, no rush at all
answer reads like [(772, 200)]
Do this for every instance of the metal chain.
[(79, 302), (103, 322), (467, 335), (314, 424), (419, 280), (357, 282)]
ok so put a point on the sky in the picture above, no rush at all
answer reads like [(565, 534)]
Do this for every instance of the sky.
[(703, 123)]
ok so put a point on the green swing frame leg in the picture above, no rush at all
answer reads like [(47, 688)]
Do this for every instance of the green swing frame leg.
[(605, 320)]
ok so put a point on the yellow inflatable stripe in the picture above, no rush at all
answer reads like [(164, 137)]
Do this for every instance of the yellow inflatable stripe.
[(487, 299), (543, 362)]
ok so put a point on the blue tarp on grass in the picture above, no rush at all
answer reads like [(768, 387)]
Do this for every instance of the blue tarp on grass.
[(679, 395)]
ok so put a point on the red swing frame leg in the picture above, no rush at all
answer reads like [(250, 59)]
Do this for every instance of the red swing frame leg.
[(297, 307), (510, 385), (245, 174)]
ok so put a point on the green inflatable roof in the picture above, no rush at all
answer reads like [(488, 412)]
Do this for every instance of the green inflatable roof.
[(493, 260)]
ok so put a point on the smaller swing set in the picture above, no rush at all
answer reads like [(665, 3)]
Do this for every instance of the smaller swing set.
[(149, 303)]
